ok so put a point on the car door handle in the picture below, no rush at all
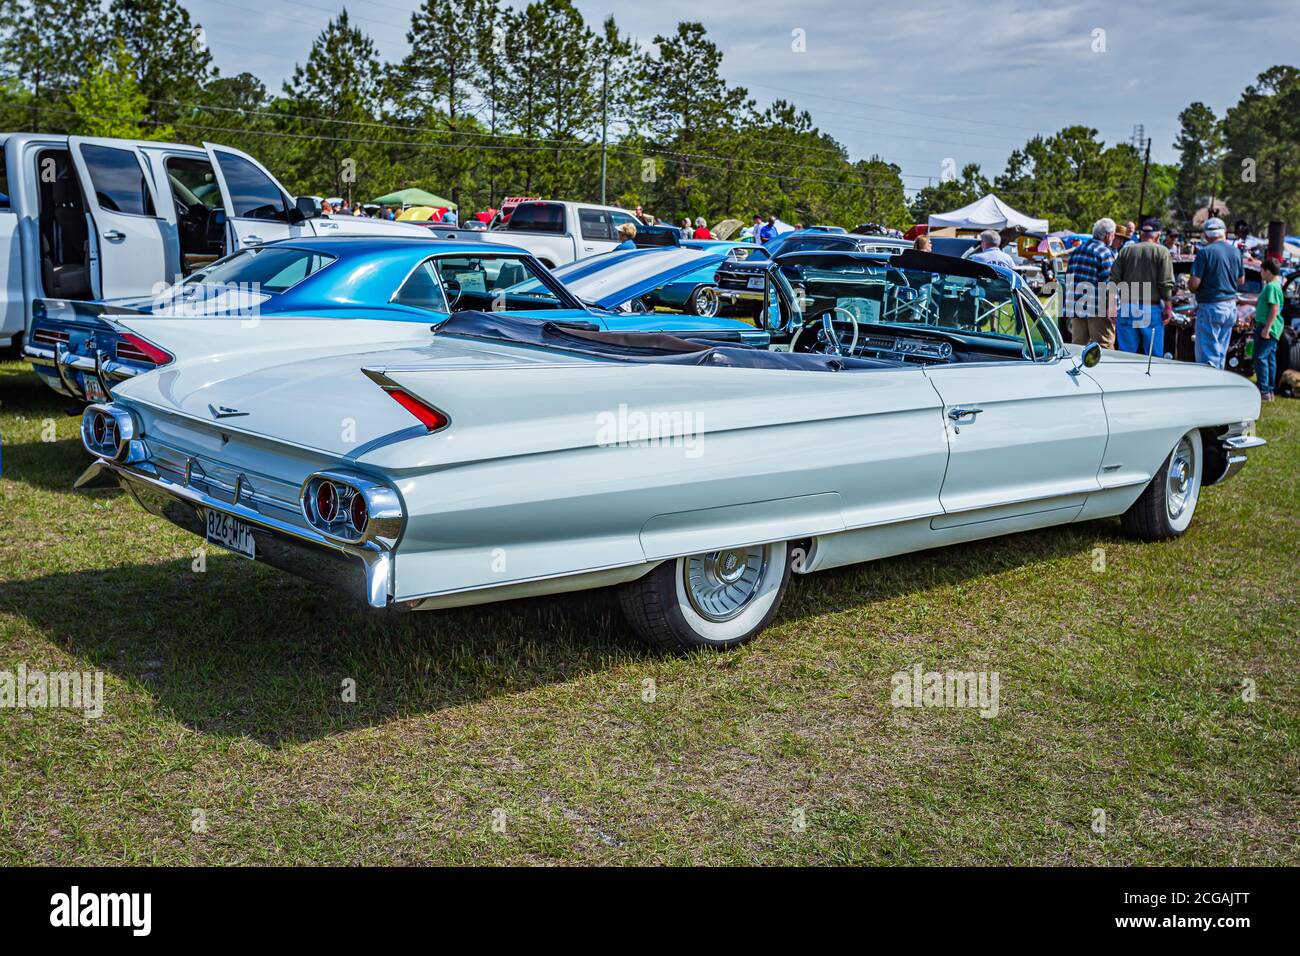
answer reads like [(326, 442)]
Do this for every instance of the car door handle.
[(960, 412), (114, 235), (252, 240)]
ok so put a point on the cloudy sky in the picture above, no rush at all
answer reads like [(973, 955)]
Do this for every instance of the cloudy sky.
[(915, 81)]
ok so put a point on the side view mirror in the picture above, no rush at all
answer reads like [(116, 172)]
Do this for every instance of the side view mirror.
[(1088, 358), (305, 208)]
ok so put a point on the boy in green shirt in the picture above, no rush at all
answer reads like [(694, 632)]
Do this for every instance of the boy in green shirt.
[(1268, 328)]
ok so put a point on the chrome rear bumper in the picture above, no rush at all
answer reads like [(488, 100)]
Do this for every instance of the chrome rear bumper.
[(64, 363), (364, 571)]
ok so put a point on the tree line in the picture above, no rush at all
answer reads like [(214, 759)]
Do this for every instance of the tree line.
[(490, 101)]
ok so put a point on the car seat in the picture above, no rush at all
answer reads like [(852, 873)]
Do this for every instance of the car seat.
[(65, 258)]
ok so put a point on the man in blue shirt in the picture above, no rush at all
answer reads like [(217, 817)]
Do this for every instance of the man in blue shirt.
[(990, 252), (766, 232), (1217, 273)]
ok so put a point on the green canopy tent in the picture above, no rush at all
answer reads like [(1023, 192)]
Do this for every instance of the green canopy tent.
[(414, 197)]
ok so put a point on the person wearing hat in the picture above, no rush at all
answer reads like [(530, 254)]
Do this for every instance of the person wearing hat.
[(1121, 238), (1217, 274), (1143, 277)]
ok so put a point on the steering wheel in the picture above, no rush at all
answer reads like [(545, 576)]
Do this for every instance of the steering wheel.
[(828, 328), (451, 288)]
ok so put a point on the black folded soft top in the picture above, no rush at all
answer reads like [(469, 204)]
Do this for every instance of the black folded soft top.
[(587, 338)]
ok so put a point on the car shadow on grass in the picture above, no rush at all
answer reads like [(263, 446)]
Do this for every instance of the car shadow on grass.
[(23, 393), (46, 465), (241, 650), (916, 574), (52, 466)]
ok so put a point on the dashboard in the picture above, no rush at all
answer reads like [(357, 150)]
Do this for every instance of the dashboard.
[(903, 348)]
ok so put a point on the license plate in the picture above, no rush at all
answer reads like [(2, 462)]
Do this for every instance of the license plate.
[(94, 391), (231, 534), (756, 282)]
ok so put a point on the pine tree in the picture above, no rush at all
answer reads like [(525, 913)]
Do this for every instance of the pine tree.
[(1199, 144), (42, 62), (108, 101), (331, 105), (169, 50)]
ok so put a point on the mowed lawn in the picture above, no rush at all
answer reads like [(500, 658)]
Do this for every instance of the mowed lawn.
[(541, 732)]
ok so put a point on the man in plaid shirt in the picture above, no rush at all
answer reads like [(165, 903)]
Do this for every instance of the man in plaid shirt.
[(1087, 302)]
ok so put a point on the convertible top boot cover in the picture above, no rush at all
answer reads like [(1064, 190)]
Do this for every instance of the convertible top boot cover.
[(658, 347)]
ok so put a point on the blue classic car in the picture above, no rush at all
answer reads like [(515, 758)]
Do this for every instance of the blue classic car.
[(676, 278), (79, 350), (815, 239)]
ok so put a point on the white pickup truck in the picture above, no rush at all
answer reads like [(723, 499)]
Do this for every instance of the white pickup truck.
[(93, 218), (558, 233)]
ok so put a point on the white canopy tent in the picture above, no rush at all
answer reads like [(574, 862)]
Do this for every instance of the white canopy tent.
[(987, 212)]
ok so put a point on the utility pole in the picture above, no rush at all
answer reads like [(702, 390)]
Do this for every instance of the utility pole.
[(604, 125), (1142, 195)]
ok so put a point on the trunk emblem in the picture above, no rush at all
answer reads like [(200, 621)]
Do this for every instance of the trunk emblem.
[(224, 411)]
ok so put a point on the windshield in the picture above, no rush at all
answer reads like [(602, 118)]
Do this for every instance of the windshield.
[(499, 283), (877, 293), (268, 269)]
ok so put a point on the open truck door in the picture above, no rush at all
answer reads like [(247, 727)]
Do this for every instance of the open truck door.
[(258, 208), (126, 244)]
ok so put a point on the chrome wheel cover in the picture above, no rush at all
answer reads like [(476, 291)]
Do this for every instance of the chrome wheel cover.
[(707, 301), (721, 584), (1180, 484)]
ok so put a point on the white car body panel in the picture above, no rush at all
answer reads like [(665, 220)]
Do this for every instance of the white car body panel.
[(1039, 434), (525, 493)]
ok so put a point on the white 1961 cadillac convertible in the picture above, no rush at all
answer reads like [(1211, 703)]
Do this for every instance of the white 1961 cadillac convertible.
[(923, 401)]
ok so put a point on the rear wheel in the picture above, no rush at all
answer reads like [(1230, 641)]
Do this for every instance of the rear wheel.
[(718, 599), (1167, 504), (704, 301)]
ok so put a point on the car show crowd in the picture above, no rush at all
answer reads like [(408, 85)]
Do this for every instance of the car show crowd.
[(1121, 291), (1199, 296)]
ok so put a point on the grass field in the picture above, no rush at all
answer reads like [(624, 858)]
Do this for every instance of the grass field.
[(542, 732)]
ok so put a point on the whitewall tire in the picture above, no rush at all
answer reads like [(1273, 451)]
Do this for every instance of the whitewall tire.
[(1166, 505), (718, 599)]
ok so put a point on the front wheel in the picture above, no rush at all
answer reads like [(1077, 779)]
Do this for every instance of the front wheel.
[(1165, 508), (718, 599)]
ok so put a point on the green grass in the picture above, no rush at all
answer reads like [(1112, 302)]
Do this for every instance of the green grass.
[(1120, 690)]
